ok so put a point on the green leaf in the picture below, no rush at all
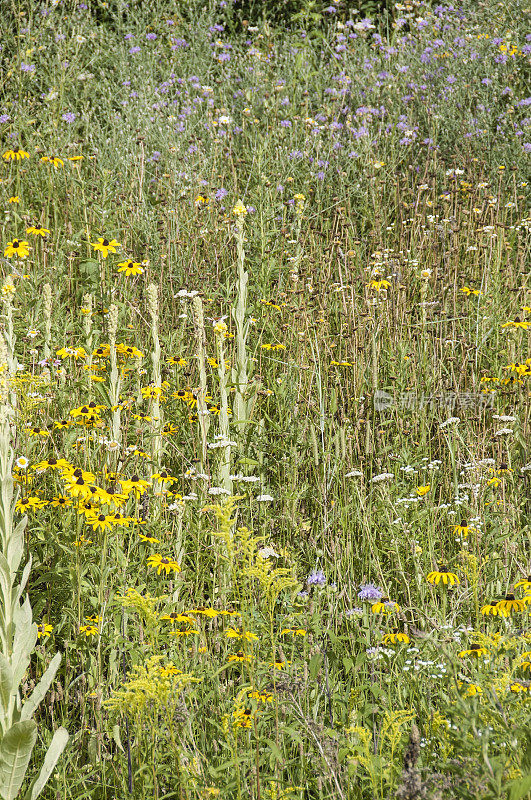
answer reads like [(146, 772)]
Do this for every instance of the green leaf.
[(15, 753), (6, 681), (57, 745), (116, 738), (519, 788), (37, 695)]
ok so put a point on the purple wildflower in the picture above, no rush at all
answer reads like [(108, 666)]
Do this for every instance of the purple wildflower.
[(369, 591), (316, 578), (69, 116)]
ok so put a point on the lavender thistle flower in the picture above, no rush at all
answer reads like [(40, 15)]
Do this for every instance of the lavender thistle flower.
[(316, 578), (368, 591)]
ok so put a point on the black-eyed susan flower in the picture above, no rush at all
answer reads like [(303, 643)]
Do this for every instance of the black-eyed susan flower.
[(468, 291), (130, 268), (36, 431), (378, 285), (30, 504), (44, 630), (129, 351), (260, 696), (99, 522), (463, 529), (384, 606), (71, 352), (470, 689), (105, 246), (55, 161), (293, 632), (134, 484), (525, 661), (524, 583), (149, 539), (396, 636), (211, 613), (52, 463), (246, 636), (475, 651), (242, 717), (280, 665), (61, 502), (241, 657), (493, 609), (176, 618), (163, 564), (518, 687), (62, 424), (17, 248), (37, 230), (78, 487), (422, 490), (15, 154), (88, 630), (517, 323), (511, 604), (151, 391), (443, 575)]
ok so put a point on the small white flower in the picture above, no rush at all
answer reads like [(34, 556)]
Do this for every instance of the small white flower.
[(264, 498), (354, 474), (22, 462), (503, 432), (385, 476), (268, 552), (218, 490), (449, 421)]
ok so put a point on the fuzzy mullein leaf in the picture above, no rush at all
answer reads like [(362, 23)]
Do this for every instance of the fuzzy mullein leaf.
[(57, 745), (6, 682), (15, 752), (33, 701)]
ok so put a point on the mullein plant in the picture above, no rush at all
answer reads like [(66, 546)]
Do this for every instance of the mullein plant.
[(18, 632), (156, 412), (86, 310), (241, 373), (47, 309), (224, 441), (202, 412), (115, 379)]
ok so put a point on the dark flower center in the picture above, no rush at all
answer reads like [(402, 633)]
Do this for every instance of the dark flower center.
[(509, 597), (475, 647), (105, 243), (135, 479), (52, 462), (101, 518), (16, 243)]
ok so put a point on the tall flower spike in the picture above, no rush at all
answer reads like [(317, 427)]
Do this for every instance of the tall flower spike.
[(199, 324), (115, 380), (156, 413)]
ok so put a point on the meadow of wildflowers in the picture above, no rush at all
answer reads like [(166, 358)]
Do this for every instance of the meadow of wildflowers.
[(265, 468)]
